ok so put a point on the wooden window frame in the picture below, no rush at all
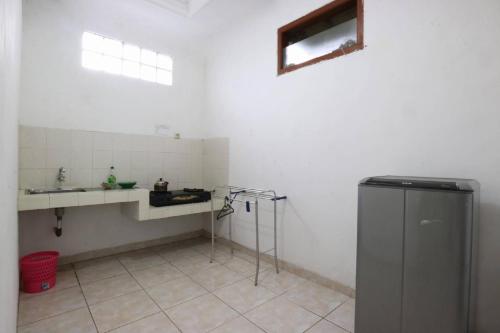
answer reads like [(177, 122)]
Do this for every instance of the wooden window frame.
[(311, 17)]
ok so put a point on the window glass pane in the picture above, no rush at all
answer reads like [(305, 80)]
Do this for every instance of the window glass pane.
[(148, 73), (92, 42), (112, 65), (148, 57), (116, 57), (322, 43), (92, 60), (164, 62), (112, 47), (164, 77), (131, 69), (131, 52)]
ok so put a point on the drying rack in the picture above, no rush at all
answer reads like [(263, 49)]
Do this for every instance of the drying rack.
[(251, 197)]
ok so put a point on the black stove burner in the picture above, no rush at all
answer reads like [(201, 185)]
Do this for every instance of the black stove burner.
[(171, 198)]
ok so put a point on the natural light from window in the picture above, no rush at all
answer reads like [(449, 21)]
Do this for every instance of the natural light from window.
[(116, 57)]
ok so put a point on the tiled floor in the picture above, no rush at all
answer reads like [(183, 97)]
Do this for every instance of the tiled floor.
[(175, 289)]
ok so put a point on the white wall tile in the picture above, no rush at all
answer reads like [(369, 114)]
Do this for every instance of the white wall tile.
[(155, 160), (99, 176), (58, 138), (139, 160), (141, 176), (122, 142), (82, 159), (141, 143), (81, 177), (32, 158), (121, 159), (102, 141), (123, 174), (32, 137), (103, 159), (31, 178), (89, 155), (81, 140), (60, 157), (156, 144)]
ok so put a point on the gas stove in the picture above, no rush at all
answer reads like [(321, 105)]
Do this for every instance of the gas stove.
[(171, 198)]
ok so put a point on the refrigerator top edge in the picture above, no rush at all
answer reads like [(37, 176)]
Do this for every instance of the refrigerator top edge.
[(429, 183)]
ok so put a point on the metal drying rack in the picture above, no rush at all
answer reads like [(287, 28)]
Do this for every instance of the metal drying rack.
[(230, 196)]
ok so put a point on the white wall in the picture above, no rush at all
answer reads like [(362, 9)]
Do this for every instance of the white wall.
[(10, 43), (421, 99), (57, 92)]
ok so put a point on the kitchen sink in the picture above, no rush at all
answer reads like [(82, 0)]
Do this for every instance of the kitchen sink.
[(55, 190)]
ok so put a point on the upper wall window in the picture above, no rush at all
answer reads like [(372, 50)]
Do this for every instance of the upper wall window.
[(116, 57), (329, 32)]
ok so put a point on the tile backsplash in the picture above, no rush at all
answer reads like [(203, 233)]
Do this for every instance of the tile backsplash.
[(87, 157)]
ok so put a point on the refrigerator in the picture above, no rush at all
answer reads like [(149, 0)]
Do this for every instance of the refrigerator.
[(415, 266)]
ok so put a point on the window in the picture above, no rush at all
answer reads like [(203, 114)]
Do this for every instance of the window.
[(329, 32), (116, 57)]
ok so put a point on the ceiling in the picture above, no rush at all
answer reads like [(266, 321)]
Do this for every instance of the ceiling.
[(183, 7)]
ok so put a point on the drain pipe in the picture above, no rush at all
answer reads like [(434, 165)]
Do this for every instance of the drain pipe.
[(59, 214)]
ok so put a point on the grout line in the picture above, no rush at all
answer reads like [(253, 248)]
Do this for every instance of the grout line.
[(158, 305), (52, 316), (85, 298)]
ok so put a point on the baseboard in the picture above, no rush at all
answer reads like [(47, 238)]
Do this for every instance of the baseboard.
[(129, 247), (292, 268)]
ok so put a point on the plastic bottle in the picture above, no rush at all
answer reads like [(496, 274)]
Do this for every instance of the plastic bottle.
[(112, 177)]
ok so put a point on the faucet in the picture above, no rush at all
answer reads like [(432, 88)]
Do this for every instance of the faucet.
[(61, 177)]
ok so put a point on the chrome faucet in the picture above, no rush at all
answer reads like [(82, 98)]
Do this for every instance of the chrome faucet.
[(61, 176)]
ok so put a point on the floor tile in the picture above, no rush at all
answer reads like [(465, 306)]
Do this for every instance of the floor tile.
[(216, 277), (279, 283), (67, 267), (158, 323), (221, 256), (264, 265), (175, 292), (282, 316), (122, 310), (95, 270), (140, 260), (64, 279), (44, 306), (201, 314), (206, 248), (77, 321), (153, 276), (175, 253), (316, 298), (343, 316), (325, 326), (238, 325), (241, 266), (244, 295), (103, 290), (190, 265)]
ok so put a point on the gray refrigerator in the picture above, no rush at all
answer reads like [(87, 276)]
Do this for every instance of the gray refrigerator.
[(416, 255)]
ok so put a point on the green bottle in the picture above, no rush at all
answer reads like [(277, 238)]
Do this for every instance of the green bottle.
[(112, 177)]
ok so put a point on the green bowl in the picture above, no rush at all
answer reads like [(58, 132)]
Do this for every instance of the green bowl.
[(127, 185)]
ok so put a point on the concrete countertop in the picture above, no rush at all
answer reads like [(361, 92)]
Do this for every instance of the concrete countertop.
[(134, 203)]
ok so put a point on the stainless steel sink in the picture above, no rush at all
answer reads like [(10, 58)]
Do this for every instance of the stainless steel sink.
[(55, 190)]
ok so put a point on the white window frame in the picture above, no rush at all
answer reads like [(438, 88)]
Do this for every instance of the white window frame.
[(116, 57)]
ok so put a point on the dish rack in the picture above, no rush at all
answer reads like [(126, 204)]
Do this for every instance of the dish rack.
[(250, 197)]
